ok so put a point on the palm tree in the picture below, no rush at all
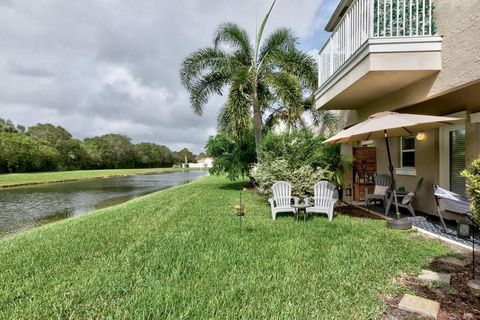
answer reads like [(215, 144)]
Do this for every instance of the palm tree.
[(267, 76)]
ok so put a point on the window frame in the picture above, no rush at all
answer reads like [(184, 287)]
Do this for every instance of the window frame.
[(402, 151)]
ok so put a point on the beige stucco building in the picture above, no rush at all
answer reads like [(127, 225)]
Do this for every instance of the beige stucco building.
[(408, 56)]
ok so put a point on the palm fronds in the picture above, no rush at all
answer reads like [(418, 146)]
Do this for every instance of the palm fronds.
[(269, 79)]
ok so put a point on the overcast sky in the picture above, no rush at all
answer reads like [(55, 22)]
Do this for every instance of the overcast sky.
[(111, 66)]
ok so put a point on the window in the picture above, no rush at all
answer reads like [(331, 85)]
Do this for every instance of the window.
[(457, 161), (407, 152)]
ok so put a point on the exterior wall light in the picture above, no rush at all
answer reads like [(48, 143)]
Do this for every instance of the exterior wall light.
[(421, 136)]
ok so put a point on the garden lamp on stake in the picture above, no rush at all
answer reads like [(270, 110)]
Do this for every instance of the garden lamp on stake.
[(240, 209), (348, 193)]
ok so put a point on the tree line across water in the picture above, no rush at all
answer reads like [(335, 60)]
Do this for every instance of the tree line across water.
[(46, 147)]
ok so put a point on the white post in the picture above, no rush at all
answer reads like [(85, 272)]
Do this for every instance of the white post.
[(430, 31), (410, 19), (371, 17), (331, 58), (384, 18), (348, 34), (398, 15), (341, 41), (320, 68), (354, 24), (423, 17), (416, 19), (378, 17), (391, 18)]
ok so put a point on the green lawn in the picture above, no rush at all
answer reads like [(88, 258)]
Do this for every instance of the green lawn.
[(180, 253), (17, 179)]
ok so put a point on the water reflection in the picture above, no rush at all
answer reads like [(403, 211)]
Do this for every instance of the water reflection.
[(27, 207)]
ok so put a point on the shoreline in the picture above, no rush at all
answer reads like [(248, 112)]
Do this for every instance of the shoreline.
[(117, 203), (93, 177)]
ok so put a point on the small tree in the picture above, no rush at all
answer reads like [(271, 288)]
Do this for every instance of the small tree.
[(232, 158)]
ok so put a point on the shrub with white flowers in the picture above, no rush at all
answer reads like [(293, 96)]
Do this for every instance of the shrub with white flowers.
[(302, 178)]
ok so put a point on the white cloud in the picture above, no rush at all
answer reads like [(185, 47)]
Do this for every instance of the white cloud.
[(99, 66)]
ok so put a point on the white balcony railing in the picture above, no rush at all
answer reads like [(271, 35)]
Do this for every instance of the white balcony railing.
[(366, 19)]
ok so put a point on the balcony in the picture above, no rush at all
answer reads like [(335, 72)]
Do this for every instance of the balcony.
[(376, 47)]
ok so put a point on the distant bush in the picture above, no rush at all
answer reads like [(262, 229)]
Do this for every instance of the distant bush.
[(302, 177), (20, 153), (473, 184)]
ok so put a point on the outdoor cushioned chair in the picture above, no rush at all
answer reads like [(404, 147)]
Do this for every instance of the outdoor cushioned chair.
[(282, 199), (383, 183), (405, 200), (458, 206), (323, 200)]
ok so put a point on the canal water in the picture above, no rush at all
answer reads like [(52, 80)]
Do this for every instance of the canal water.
[(23, 208)]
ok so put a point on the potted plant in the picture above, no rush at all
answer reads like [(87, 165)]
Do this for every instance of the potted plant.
[(337, 164)]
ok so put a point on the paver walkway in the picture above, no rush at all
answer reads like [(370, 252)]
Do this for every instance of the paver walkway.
[(432, 224), (432, 276), (455, 261), (420, 306)]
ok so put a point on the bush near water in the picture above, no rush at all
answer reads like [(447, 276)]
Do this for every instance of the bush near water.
[(46, 147)]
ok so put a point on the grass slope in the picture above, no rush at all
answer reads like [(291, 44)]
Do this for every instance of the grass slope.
[(18, 179), (180, 253)]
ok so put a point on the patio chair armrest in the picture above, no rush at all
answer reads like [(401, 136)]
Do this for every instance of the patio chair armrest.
[(296, 200), (272, 202), (333, 199), (307, 201)]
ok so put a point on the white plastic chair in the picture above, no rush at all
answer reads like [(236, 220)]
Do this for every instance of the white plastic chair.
[(323, 200), (381, 180), (282, 199)]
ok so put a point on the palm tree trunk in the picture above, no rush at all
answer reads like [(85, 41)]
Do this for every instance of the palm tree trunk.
[(257, 114), (257, 121)]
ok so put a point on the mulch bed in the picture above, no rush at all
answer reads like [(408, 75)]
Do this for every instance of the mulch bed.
[(456, 301), (357, 212)]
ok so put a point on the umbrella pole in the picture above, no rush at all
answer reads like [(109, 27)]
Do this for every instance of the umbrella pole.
[(390, 167)]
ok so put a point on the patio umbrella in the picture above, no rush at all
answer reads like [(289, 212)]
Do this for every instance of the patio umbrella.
[(389, 124)]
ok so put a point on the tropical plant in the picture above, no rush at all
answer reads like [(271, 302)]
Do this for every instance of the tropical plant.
[(473, 183), (336, 163), (269, 76)]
